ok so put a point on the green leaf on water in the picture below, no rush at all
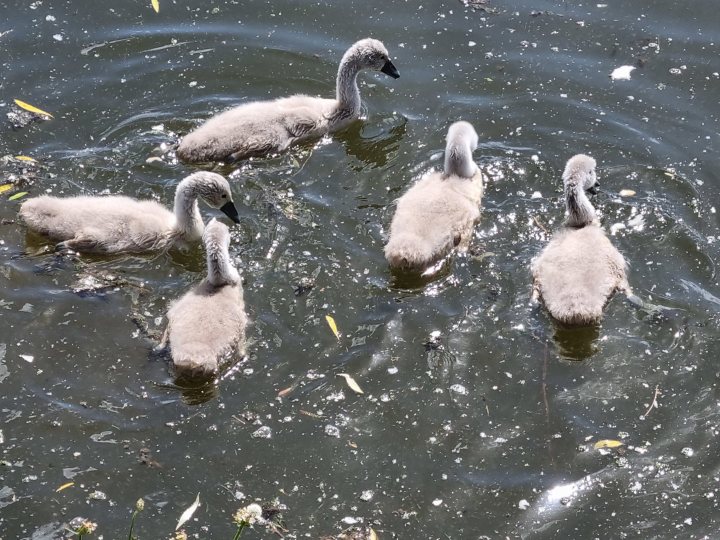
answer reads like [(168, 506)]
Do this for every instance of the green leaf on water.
[(17, 196)]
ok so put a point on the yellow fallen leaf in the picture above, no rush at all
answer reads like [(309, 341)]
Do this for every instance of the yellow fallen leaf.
[(6, 187), (156, 5), (26, 158), (354, 386), (64, 486), (608, 443), (627, 193), (187, 514), (332, 325), (31, 108), (372, 535)]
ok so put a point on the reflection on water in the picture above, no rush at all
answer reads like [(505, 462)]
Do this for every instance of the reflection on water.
[(576, 343)]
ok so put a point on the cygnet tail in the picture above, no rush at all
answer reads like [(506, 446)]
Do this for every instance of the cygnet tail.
[(409, 251), (580, 210), (574, 308), (195, 360)]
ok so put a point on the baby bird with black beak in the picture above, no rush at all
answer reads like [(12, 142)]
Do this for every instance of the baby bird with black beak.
[(580, 269), (119, 224), (260, 128)]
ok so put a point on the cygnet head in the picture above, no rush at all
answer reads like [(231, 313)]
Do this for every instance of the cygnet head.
[(214, 189), (462, 140), (370, 53), (216, 238), (580, 170)]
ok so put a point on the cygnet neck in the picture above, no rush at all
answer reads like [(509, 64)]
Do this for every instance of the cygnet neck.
[(220, 269), (579, 208), (459, 160), (188, 220), (347, 92)]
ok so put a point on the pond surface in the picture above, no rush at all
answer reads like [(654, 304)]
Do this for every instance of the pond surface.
[(479, 416)]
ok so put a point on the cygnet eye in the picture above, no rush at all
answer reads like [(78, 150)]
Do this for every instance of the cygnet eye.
[(224, 196)]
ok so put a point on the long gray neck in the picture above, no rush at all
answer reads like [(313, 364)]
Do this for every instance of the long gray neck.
[(459, 160), (580, 211), (220, 269), (347, 92), (188, 220)]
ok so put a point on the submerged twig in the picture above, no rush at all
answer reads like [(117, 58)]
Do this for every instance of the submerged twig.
[(537, 222)]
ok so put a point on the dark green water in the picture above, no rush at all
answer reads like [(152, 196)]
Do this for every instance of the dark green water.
[(489, 435)]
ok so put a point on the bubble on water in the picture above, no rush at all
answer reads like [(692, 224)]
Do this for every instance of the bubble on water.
[(263, 432)]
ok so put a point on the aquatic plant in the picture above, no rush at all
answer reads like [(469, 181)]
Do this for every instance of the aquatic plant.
[(139, 507), (247, 516), (82, 527)]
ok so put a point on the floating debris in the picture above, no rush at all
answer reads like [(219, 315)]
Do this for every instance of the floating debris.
[(264, 432), (188, 513), (622, 73), (145, 458), (354, 386)]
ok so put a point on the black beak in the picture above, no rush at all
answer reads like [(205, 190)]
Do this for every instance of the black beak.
[(230, 211), (390, 69), (595, 189)]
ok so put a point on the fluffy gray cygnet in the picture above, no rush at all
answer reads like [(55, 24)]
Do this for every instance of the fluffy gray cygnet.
[(118, 224), (264, 127), (579, 270), (208, 323), (440, 210)]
